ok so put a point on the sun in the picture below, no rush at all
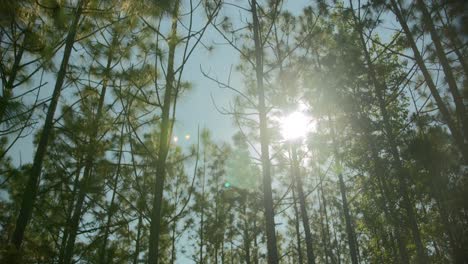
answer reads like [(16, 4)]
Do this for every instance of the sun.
[(294, 126)]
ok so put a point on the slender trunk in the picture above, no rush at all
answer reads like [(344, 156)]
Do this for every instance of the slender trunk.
[(298, 231), (302, 205), (337, 242), (327, 225), (112, 203), (386, 201), (173, 246), (445, 112), (449, 76), (255, 241), (264, 142), (30, 192), (137, 242), (89, 165), (349, 227), (322, 228), (222, 251), (156, 214), (202, 213), (219, 211), (69, 214), (246, 235), (77, 212)]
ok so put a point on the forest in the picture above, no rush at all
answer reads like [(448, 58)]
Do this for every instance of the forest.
[(234, 131)]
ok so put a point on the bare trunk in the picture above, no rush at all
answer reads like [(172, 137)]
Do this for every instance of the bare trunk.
[(264, 142), (110, 214), (246, 235), (87, 174), (202, 213), (349, 227), (156, 214), (136, 254), (69, 215), (302, 205), (298, 231)]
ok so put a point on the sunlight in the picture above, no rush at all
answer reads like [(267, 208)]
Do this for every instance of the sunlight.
[(294, 126)]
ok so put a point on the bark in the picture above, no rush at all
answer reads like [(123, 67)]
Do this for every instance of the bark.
[(156, 214), (30, 192), (303, 207), (264, 142)]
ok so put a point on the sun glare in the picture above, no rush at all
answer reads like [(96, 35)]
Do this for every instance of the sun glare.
[(294, 126)]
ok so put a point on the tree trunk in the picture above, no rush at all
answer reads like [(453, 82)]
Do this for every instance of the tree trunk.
[(349, 227), (110, 214), (89, 166), (449, 76), (328, 235), (302, 205), (202, 213), (456, 44), (246, 235), (386, 201), (30, 192), (69, 214), (298, 231), (445, 112), (137, 242), (264, 142), (402, 173), (156, 214)]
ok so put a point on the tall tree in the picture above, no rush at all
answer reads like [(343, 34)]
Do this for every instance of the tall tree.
[(30, 191)]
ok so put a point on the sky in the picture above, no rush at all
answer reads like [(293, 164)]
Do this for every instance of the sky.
[(195, 108)]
